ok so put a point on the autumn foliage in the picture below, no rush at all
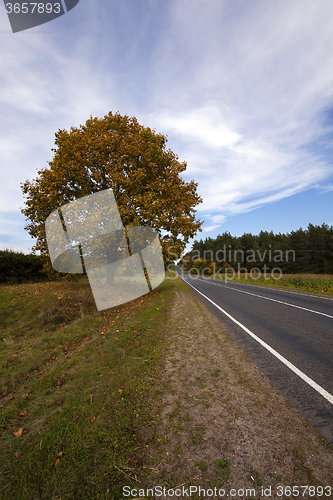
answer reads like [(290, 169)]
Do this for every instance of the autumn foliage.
[(116, 152)]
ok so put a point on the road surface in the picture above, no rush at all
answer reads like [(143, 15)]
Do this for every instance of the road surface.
[(289, 335)]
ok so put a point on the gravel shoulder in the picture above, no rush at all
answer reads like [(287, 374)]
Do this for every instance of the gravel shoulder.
[(220, 423)]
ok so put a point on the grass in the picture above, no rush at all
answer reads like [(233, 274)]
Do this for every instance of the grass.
[(256, 479), (321, 284), (202, 466), (223, 466), (75, 389)]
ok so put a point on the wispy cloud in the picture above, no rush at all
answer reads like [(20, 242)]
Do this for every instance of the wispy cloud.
[(270, 66), (242, 89), (327, 188), (205, 125)]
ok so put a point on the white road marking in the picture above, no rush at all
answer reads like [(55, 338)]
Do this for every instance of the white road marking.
[(292, 367), (273, 300), (277, 289)]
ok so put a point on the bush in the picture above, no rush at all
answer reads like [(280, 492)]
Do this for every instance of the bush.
[(16, 267)]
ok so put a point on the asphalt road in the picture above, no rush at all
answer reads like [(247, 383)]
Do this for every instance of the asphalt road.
[(288, 335)]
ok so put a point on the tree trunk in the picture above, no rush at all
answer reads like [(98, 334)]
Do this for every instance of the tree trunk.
[(110, 275)]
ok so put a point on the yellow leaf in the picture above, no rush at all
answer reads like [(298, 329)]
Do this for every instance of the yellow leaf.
[(93, 419), (139, 158)]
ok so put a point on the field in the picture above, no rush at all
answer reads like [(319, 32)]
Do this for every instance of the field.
[(314, 283)]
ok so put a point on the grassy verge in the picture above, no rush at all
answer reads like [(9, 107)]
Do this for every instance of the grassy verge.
[(220, 423), (75, 388), (321, 284)]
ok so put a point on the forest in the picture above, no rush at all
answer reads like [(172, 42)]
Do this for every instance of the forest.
[(303, 251)]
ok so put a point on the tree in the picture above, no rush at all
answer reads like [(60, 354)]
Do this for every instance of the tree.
[(116, 152)]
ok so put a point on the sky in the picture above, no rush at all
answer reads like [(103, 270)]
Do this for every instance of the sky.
[(242, 88)]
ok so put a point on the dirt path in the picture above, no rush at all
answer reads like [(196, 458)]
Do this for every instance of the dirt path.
[(222, 424)]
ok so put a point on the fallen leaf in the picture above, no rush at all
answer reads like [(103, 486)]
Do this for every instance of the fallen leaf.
[(17, 454), (93, 419), (57, 462), (14, 355), (19, 432), (59, 383), (60, 454), (41, 378), (60, 401), (23, 413), (120, 390)]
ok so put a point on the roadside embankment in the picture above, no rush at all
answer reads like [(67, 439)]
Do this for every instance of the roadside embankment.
[(221, 422)]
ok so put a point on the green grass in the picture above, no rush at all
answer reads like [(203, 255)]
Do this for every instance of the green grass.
[(76, 389), (321, 284), (202, 466), (223, 467), (256, 479)]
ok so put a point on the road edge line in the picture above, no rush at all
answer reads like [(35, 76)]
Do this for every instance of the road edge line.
[(292, 367)]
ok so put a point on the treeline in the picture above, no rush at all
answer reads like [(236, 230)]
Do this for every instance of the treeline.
[(303, 251), (16, 267)]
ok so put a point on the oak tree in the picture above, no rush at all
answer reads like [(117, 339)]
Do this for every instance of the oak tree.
[(116, 152)]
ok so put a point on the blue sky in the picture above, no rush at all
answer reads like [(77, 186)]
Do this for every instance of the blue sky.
[(242, 88)]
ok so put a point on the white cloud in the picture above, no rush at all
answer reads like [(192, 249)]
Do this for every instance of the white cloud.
[(255, 144), (240, 89), (204, 125), (207, 229), (327, 188)]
